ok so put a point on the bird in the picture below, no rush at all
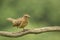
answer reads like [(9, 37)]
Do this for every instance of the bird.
[(21, 22)]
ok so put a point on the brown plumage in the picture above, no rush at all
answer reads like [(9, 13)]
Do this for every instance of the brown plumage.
[(20, 22)]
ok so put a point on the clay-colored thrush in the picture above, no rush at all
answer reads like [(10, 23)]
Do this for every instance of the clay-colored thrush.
[(20, 22)]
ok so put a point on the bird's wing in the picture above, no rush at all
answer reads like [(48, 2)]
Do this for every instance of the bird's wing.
[(18, 21), (21, 21)]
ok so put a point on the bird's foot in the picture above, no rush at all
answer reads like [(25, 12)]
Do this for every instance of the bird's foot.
[(25, 30)]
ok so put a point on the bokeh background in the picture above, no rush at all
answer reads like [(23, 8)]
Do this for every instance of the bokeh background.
[(43, 13)]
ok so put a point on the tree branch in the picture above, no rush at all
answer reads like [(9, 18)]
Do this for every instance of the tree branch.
[(29, 31)]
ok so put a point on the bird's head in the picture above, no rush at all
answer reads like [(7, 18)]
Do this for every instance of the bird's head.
[(27, 16)]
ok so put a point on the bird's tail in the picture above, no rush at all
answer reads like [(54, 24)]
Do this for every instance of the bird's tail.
[(10, 19)]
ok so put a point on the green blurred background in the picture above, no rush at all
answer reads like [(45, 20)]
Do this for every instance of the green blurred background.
[(43, 13)]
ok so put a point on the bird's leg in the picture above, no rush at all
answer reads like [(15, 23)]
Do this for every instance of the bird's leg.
[(23, 29), (17, 27)]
